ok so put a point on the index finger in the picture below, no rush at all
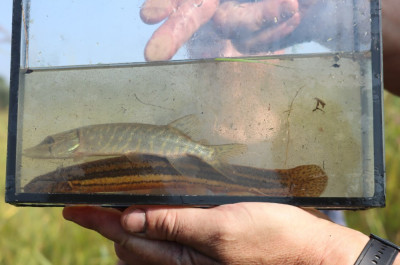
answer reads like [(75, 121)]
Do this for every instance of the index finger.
[(178, 28), (154, 11)]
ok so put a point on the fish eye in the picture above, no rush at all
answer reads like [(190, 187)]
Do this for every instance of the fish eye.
[(48, 140)]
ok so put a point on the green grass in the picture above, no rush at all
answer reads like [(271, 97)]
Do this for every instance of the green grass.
[(41, 236), (385, 222)]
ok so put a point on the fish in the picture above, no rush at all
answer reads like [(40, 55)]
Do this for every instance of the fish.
[(171, 141), (153, 175)]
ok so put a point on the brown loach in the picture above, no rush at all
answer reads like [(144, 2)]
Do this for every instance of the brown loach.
[(154, 175)]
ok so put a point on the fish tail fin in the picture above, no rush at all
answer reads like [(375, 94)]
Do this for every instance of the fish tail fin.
[(222, 153)]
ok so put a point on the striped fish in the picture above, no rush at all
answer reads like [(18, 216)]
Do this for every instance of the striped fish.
[(131, 139), (153, 175)]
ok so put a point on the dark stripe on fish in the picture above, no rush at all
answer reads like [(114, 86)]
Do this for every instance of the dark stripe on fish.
[(156, 174)]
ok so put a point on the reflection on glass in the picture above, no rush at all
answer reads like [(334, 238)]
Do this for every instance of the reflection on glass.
[(275, 113), (259, 98), (102, 32)]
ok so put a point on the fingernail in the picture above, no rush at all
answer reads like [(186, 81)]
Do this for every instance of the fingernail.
[(134, 221)]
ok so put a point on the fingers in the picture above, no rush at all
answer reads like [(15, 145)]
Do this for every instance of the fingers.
[(228, 233), (173, 224), (154, 11), (178, 28), (215, 232), (234, 19), (137, 250), (105, 221), (265, 39), (231, 234), (121, 262), (254, 27), (133, 249), (142, 251)]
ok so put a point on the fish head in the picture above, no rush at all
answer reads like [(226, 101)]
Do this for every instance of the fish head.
[(61, 145)]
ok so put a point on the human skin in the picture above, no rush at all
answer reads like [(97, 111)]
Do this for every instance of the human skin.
[(243, 233), (173, 33), (271, 20), (184, 19)]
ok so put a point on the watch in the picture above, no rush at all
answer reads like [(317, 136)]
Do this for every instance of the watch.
[(378, 251)]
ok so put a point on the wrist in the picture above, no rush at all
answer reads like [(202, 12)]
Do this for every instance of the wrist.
[(343, 246)]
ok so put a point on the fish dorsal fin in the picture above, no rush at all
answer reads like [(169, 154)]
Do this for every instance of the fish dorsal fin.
[(187, 124)]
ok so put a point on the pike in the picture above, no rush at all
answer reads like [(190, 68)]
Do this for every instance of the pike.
[(171, 141)]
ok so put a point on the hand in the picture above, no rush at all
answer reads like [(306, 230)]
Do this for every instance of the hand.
[(244, 233), (184, 19), (246, 27), (253, 26)]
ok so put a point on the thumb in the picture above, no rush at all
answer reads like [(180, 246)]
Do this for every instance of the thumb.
[(194, 227), (231, 233)]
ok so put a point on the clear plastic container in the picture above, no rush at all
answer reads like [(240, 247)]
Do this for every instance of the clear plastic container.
[(272, 100)]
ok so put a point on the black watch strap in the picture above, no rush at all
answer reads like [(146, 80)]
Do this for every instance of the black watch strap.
[(378, 251)]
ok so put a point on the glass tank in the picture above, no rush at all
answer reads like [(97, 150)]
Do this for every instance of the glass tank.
[(199, 102)]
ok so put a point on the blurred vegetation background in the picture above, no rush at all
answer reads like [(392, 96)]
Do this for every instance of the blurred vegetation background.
[(385, 222), (4, 91), (40, 236)]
